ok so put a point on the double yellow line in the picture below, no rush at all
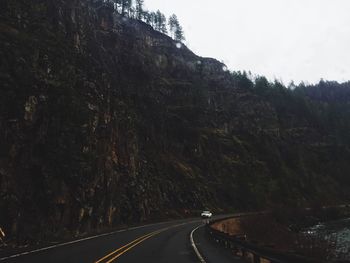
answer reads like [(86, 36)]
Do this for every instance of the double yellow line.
[(120, 251)]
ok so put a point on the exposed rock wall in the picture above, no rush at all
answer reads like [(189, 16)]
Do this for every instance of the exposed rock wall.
[(105, 121)]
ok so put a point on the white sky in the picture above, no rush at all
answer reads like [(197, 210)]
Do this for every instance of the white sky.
[(284, 39)]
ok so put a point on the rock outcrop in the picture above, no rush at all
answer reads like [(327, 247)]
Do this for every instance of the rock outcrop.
[(105, 121)]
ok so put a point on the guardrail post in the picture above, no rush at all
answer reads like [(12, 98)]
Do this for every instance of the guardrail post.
[(251, 252), (2, 236)]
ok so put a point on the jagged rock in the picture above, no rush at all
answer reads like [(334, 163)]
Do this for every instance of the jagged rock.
[(126, 126)]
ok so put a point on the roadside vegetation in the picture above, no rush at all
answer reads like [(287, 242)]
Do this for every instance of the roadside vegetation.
[(106, 122)]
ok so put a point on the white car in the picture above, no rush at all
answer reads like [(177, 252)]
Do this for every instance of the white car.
[(206, 214)]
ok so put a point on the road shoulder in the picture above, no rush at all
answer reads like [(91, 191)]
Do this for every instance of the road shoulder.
[(209, 250)]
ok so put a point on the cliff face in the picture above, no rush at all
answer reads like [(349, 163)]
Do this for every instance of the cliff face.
[(105, 121)]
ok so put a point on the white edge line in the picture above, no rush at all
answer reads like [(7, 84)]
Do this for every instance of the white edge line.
[(199, 256), (76, 241), (60, 245)]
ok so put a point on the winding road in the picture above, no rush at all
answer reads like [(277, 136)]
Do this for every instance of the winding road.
[(180, 241)]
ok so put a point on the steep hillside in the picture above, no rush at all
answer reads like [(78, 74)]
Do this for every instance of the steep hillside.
[(105, 121)]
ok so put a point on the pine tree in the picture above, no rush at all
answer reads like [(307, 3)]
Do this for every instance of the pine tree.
[(179, 34), (161, 22), (148, 17), (132, 13), (139, 9), (173, 22), (158, 21), (176, 31), (152, 19), (116, 4), (125, 6)]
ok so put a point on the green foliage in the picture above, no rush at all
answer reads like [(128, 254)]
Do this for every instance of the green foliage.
[(139, 9), (148, 17), (125, 6), (241, 80), (262, 85), (156, 19), (179, 34), (176, 31), (160, 22), (118, 126)]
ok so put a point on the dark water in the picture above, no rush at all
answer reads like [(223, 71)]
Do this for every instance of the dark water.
[(336, 233)]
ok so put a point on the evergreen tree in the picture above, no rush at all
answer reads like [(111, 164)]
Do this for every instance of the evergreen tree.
[(125, 6), (132, 12), (176, 31), (262, 85), (152, 19), (147, 16), (179, 34), (161, 22), (157, 20), (139, 9), (117, 4), (173, 22)]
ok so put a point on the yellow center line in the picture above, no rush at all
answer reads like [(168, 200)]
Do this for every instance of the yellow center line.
[(132, 244), (115, 251)]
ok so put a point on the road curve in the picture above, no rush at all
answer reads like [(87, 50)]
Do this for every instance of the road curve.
[(164, 242)]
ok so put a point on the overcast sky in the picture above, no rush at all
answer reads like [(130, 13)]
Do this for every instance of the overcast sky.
[(284, 39)]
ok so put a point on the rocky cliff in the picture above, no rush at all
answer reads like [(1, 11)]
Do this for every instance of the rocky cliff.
[(105, 121)]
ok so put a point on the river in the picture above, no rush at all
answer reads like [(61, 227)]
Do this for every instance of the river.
[(337, 233)]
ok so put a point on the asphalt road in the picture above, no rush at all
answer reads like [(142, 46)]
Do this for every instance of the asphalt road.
[(167, 242)]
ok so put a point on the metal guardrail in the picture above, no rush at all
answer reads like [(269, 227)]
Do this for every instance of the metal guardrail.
[(2, 236), (253, 252)]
